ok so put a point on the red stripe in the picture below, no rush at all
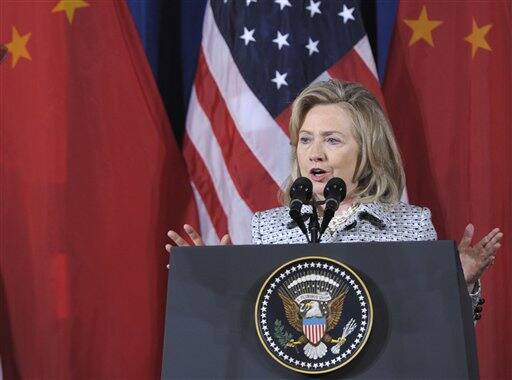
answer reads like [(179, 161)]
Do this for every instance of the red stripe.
[(200, 176), (243, 166), (352, 68), (284, 118)]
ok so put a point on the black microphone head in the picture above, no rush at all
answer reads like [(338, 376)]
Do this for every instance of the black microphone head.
[(334, 192), (302, 190)]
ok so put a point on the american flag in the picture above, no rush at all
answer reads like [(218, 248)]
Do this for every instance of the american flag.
[(255, 58)]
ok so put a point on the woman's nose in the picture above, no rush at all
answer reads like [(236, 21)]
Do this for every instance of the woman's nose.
[(317, 153)]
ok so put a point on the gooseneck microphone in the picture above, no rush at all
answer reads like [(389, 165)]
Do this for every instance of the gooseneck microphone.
[(334, 192), (300, 194)]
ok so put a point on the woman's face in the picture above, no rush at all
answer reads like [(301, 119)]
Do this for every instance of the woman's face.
[(327, 148)]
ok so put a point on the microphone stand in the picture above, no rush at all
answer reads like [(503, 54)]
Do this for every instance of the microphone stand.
[(314, 226)]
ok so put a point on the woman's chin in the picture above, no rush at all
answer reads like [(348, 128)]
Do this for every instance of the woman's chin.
[(318, 190)]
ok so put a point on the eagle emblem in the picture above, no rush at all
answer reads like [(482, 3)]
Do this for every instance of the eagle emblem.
[(313, 315), (314, 311)]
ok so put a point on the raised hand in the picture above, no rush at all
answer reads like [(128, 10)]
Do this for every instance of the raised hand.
[(477, 258), (194, 236)]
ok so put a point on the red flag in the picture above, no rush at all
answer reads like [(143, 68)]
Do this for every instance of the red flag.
[(448, 94), (91, 179)]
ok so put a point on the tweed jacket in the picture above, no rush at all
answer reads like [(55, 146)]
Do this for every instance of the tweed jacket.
[(368, 222)]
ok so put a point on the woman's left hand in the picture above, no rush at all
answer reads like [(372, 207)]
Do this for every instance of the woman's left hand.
[(476, 259)]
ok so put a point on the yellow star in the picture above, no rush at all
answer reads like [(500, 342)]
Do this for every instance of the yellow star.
[(17, 47), (69, 6), (477, 38), (422, 28)]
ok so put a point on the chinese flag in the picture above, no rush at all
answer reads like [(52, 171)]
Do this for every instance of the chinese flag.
[(90, 181), (448, 93)]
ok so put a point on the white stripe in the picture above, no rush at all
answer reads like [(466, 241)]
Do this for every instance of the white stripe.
[(208, 232), (257, 127), (365, 52), (201, 135)]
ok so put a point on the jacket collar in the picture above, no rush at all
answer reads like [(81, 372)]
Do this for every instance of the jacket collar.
[(376, 210)]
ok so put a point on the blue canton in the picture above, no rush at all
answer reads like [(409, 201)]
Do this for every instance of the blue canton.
[(280, 46)]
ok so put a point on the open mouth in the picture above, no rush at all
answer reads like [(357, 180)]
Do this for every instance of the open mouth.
[(318, 174)]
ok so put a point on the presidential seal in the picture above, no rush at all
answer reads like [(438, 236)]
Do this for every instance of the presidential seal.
[(313, 315)]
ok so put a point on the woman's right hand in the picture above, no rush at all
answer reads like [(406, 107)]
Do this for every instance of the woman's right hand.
[(194, 236)]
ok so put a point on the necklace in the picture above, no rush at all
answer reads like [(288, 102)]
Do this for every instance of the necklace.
[(341, 218)]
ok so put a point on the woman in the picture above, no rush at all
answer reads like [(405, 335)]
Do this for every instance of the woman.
[(339, 130)]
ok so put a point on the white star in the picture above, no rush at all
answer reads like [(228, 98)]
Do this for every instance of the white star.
[(248, 2), (312, 46), (313, 8), (283, 3), (280, 40), (280, 79), (347, 14), (248, 36)]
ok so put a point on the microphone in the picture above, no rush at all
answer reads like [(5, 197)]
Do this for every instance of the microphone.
[(334, 192), (300, 193)]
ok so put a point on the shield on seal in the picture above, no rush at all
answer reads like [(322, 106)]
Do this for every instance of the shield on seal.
[(314, 329)]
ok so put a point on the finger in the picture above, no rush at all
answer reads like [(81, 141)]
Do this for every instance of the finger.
[(225, 240), (494, 240), (467, 236), (196, 238), (180, 242), (168, 248), (487, 238), (494, 249)]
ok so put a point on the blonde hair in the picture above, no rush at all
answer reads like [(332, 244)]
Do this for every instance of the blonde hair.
[(379, 173)]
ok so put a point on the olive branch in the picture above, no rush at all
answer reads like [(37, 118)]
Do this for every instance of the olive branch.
[(281, 336)]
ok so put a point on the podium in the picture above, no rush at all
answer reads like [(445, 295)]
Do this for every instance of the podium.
[(422, 324)]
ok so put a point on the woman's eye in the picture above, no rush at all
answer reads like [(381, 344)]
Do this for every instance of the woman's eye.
[(332, 140), (304, 140)]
